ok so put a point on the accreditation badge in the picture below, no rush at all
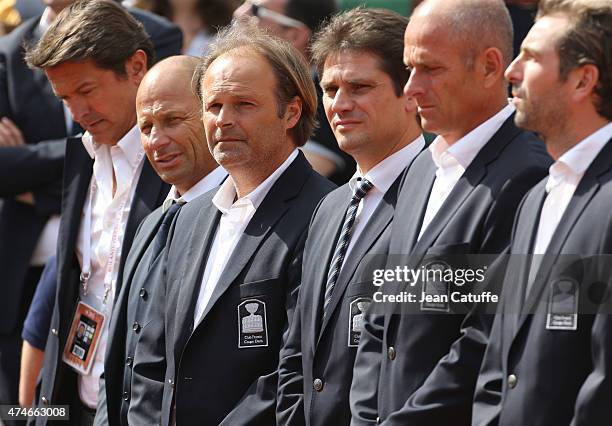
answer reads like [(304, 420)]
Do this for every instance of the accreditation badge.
[(252, 324), (563, 305), (357, 310), (83, 338)]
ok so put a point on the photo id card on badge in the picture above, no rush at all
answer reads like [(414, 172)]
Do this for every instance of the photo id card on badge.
[(83, 338), (563, 305)]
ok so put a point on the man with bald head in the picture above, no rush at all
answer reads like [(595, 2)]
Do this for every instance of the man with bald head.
[(454, 200), (172, 135)]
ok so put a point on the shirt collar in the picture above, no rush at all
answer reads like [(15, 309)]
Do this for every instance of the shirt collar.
[(129, 145), (45, 20), (207, 183), (463, 152), (575, 161), (386, 172), (224, 198)]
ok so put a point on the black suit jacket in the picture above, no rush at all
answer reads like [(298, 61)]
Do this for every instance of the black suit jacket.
[(398, 352), (17, 163), (561, 377), (325, 349), (27, 99), (138, 282), (58, 381), (210, 379)]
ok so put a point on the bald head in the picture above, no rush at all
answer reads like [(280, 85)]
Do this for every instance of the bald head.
[(167, 73), (170, 122), (475, 24)]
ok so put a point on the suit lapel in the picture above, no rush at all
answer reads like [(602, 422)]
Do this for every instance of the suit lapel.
[(520, 261), (77, 176), (412, 203), (380, 219), (147, 197), (327, 246), (141, 243), (200, 241)]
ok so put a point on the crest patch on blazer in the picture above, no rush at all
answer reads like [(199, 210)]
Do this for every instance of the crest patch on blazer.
[(357, 310), (563, 305), (252, 324)]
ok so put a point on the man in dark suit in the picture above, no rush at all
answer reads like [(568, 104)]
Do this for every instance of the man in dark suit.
[(234, 261), (550, 348), (95, 55), (172, 133), (28, 106), (454, 200), (376, 123)]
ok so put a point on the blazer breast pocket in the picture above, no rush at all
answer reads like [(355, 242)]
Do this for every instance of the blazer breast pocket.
[(448, 249), (257, 310)]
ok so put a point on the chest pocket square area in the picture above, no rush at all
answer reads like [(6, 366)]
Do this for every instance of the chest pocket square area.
[(252, 324)]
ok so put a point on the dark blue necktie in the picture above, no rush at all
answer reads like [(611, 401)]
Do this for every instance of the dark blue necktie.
[(164, 229), (362, 188)]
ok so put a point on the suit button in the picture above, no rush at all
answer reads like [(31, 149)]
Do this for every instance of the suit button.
[(391, 353), (318, 385), (143, 293), (129, 361), (54, 331), (44, 400), (136, 327), (512, 381), (126, 396), (377, 420)]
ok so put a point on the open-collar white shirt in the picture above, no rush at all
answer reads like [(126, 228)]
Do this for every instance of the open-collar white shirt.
[(235, 216), (108, 214), (382, 176), (452, 160)]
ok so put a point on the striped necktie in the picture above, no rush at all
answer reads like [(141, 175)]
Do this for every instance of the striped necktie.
[(362, 188)]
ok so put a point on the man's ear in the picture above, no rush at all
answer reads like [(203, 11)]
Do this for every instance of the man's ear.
[(136, 66), (583, 81), (491, 63), (293, 112)]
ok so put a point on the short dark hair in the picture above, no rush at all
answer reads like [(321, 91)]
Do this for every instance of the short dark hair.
[(311, 13), (377, 31), (588, 40), (289, 67), (100, 30)]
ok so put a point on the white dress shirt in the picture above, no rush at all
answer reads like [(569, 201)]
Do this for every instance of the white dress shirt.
[(563, 179), (107, 216), (207, 183), (235, 216), (452, 161), (382, 177)]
